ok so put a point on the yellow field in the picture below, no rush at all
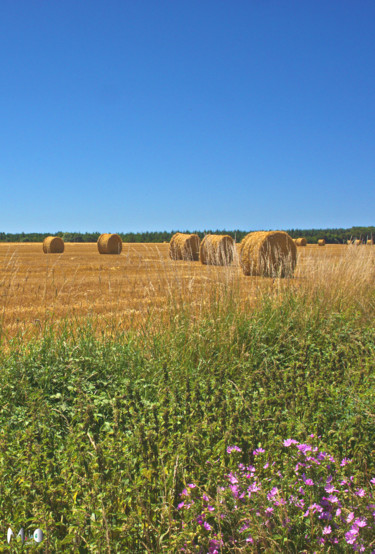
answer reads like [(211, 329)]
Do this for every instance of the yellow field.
[(36, 288)]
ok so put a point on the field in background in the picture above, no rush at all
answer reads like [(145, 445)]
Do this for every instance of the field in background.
[(38, 289)]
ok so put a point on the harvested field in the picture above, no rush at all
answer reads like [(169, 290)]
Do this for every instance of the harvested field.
[(143, 280)]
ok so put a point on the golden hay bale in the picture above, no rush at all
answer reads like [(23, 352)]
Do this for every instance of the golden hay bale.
[(358, 242), (370, 242), (109, 243), (301, 241), (53, 245), (184, 246), (268, 253), (349, 241), (321, 242), (216, 250)]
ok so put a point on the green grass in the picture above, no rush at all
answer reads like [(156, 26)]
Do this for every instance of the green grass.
[(99, 434)]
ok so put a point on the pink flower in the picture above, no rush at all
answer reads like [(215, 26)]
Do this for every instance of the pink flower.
[(309, 482), (351, 536), (289, 442), (345, 461), (327, 530), (191, 486), (210, 508), (249, 539), (207, 526), (373, 481), (233, 448), (258, 451), (332, 498), (361, 522), (361, 493), (181, 504), (350, 517)]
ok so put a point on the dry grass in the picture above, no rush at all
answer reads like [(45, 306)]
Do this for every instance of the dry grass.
[(53, 245), (144, 282), (217, 250)]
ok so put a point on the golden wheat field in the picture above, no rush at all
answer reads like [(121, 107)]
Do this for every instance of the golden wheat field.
[(126, 289)]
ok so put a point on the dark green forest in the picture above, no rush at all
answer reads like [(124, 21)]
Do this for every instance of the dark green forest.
[(331, 236)]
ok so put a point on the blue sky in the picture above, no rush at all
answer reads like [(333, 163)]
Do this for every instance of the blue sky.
[(120, 115)]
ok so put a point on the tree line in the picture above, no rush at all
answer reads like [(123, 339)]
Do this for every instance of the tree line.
[(331, 236)]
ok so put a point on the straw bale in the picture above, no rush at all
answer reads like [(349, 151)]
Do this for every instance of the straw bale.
[(321, 242), (216, 250), (109, 243), (268, 253), (53, 245), (184, 246), (358, 242), (370, 242), (300, 241), (349, 241)]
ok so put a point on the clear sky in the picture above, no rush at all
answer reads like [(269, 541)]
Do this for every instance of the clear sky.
[(127, 115)]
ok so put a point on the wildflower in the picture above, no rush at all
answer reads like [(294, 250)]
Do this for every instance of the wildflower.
[(344, 462), (184, 493), (350, 517), (191, 485), (258, 451), (372, 481), (272, 493), (244, 527), (351, 536), (249, 539), (232, 478), (207, 526), (309, 482), (333, 499), (266, 465), (361, 493), (210, 508), (289, 442), (233, 448), (181, 504), (268, 510), (330, 488), (205, 497), (360, 522), (304, 448), (338, 512), (327, 530)]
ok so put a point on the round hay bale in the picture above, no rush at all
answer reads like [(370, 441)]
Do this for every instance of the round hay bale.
[(321, 242), (109, 243), (184, 246), (357, 242), (53, 245), (216, 250), (301, 241), (268, 253), (349, 241), (370, 242)]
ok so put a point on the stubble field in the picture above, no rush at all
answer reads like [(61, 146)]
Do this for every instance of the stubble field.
[(125, 290)]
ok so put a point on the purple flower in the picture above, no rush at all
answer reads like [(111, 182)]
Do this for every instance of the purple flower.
[(231, 448), (191, 486), (351, 536), (268, 510), (330, 488), (258, 451), (327, 530), (373, 481), (360, 522), (205, 497), (289, 442), (345, 461), (304, 448), (184, 493), (333, 499), (350, 517), (338, 512), (361, 493), (249, 539), (207, 526), (232, 478), (266, 465), (210, 508), (181, 504)]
